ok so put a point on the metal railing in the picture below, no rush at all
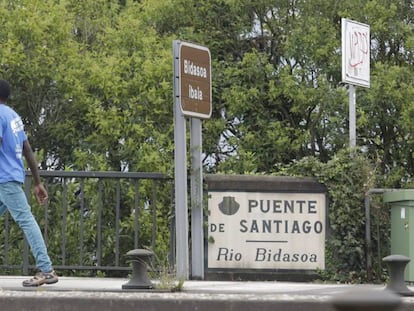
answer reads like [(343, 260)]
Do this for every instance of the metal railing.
[(93, 218)]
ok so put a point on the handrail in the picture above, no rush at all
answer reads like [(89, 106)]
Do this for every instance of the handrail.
[(138, 202), (102, 174)]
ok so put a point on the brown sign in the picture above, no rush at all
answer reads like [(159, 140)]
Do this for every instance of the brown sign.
[(195, 80)]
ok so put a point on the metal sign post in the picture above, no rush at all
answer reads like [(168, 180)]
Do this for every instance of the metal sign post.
[(192, 98), (180, 176), (352, 117), (197, 231)]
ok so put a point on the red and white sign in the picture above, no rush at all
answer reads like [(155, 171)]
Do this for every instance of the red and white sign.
[(355, 53)]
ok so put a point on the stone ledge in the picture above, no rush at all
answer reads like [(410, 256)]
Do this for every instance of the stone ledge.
[(263, 183)]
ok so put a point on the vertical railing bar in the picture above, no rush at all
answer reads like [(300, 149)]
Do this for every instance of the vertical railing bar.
[(99, 229), (82, 212), (25, 267), (154, 214), (118, 204), (64, 218), (46, 226), (137, 213), (172, 226), (6, 237)]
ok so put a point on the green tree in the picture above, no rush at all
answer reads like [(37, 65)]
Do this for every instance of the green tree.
[(38, 58), (93, 81)]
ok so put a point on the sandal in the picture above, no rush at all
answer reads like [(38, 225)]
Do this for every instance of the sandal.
[(42, 278)]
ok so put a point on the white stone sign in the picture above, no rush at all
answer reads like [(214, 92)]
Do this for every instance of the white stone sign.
[(253, 230)]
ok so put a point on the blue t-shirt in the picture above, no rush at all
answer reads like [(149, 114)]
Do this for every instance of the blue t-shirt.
[(11, 149)]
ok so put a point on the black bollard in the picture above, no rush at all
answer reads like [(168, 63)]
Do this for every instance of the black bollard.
[(363, 299), (396, 265), (139, 259)]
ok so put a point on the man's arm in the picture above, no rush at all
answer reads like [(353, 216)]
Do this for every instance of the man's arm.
[(31, 161), (40, 191)]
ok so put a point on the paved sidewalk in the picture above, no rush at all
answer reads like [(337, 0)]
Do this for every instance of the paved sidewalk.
[(87, 284), (106, 294)]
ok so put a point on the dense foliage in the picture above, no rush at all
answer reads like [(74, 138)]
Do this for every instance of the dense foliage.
[(348, 183), (93, 81)]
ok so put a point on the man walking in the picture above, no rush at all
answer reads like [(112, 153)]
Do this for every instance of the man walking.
[(14, 145)]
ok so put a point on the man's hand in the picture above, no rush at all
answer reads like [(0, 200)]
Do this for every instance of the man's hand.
[(41, 194)]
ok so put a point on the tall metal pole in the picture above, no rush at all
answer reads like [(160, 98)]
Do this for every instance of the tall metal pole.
[(180, 175), (352, 117), (197, 234)]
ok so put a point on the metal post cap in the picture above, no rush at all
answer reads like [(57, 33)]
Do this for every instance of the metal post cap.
[(396, 258)]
